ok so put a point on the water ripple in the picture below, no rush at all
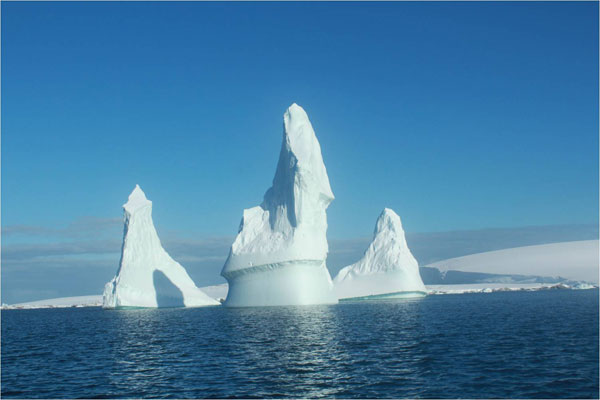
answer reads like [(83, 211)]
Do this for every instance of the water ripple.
[(519, 344)]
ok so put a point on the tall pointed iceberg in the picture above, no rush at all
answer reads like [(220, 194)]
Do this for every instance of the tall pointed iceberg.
[(147, 275), (387, 269), (278, 256)]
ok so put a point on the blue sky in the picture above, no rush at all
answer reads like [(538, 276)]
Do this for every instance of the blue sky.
[(459, 116)]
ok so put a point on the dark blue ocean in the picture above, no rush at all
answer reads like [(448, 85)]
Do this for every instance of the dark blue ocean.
[(511, 344)]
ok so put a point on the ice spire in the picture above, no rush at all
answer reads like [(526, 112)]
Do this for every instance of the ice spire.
[(284, 239), (137, 199)]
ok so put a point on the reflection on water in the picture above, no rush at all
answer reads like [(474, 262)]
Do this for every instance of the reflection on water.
[(487, 345)]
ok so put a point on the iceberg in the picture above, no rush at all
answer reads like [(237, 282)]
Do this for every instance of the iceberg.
[(278, 256), (147, 275), (387, 269)]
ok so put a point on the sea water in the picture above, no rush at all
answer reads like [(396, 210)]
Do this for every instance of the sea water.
[(511, 344)]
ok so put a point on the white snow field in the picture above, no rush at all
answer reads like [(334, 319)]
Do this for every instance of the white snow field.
[(62, 302), (387, 268), (576, 261), (278, 256), (147, 275)]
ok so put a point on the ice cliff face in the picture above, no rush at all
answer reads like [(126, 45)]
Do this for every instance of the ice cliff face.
[(147, 275), (278, 256), (387, 267)]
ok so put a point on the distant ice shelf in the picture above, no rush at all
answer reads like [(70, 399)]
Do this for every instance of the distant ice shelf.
[(61, 302), (574, 261), (500, 287)]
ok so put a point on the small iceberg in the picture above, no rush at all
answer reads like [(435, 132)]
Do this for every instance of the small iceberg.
[(387, 269)]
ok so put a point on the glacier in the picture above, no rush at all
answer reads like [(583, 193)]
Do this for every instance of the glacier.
[(147, 276), (278, 256), (387, 268), (573, 261)]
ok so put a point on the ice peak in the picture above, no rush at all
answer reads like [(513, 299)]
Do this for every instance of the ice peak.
[(301, 152), (388, 221), (137, 199), (299, 134), (295, 112)]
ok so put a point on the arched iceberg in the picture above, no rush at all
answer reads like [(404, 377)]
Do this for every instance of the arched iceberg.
[(147, 275)]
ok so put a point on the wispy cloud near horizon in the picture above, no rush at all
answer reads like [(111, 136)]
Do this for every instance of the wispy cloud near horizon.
[(81, 257), (80, 228)]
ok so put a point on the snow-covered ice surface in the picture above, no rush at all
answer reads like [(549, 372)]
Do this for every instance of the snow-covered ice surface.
[(577, 261), (387, 268), (147, 275), (502, 287), (278, 256), (62, 302)]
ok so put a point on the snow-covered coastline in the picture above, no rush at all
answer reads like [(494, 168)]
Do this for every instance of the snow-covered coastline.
[(502, 287)]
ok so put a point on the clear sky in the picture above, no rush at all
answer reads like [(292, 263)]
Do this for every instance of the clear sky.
[(456, 115)]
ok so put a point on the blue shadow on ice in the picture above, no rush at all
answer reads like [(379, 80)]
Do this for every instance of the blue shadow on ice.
[(167, 294)]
